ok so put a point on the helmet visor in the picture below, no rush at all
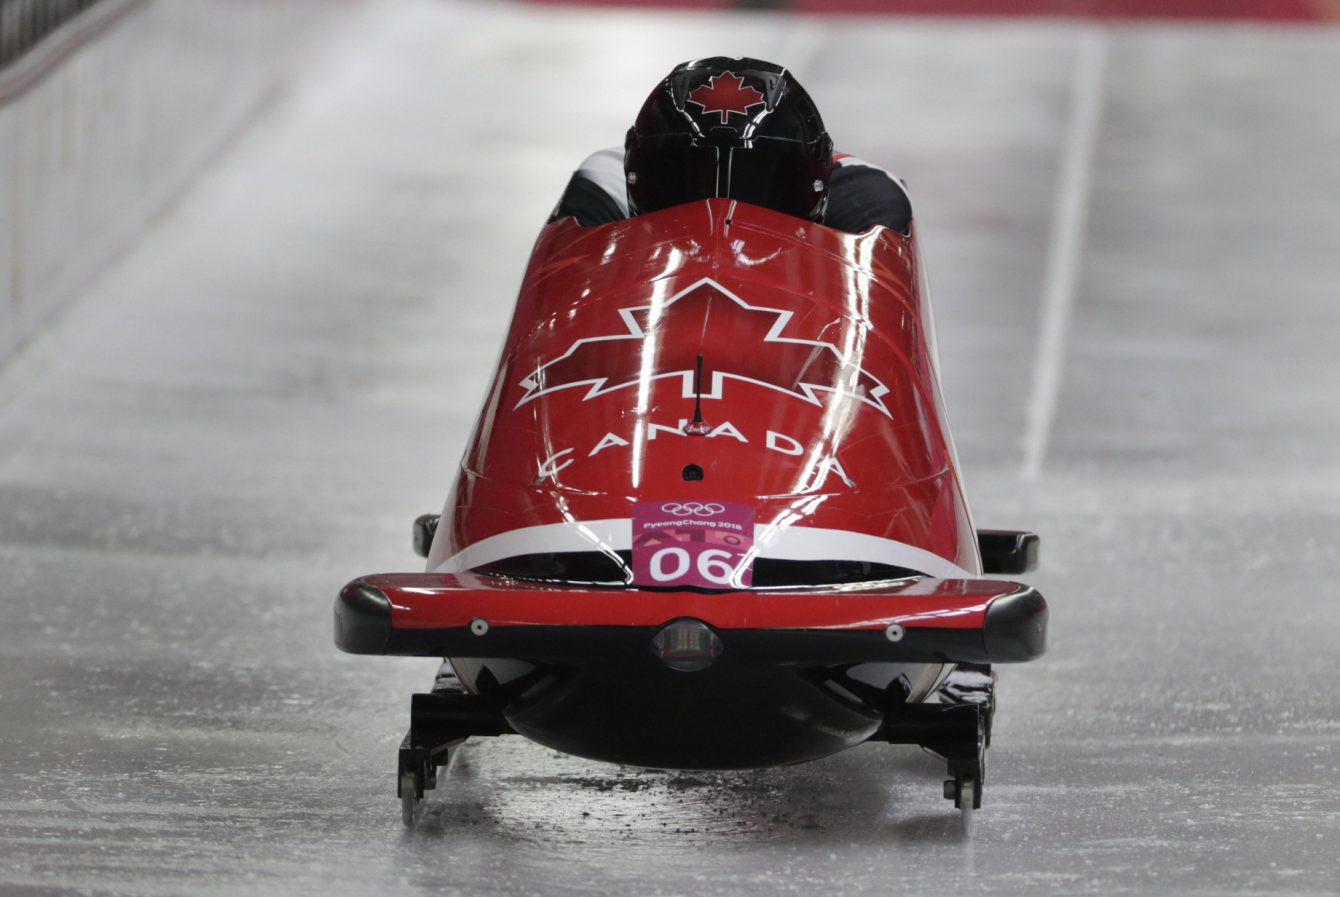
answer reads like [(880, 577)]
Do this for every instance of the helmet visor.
[(777, 176), (774, 174), (665, 173)]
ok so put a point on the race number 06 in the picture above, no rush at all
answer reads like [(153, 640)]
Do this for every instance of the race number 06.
[(670, 564)]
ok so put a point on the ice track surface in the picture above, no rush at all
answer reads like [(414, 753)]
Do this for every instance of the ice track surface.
[(1134, 242)]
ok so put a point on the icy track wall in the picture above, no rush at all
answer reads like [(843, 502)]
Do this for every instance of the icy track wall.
[(107, 117)]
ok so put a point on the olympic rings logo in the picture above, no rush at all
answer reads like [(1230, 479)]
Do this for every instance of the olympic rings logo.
[(693, 508)]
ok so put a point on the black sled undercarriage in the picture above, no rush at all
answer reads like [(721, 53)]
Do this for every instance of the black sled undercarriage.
[(956, 728)]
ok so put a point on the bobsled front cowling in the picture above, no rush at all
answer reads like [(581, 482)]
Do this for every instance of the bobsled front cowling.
[(710, 516), (715, 352)]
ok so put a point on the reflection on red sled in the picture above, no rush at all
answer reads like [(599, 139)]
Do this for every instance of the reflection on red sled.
[(710, 516)]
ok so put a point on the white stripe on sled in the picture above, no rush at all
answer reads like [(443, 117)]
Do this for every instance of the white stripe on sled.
[(792, 543)]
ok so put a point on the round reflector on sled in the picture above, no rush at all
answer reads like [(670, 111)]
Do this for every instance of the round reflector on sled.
[(687, 646)]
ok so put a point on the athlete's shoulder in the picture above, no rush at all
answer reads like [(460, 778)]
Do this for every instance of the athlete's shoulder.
[(596, 193)]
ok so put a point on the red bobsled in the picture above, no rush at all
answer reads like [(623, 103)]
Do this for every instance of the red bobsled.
[(710, 515)]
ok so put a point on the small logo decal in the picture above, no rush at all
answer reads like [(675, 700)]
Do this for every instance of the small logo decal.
[(694, 508), (725, 93)]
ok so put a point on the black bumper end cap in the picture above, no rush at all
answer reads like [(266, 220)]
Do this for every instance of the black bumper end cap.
[(362, 619), (1016, 627)]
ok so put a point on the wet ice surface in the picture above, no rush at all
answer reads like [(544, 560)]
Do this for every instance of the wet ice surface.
[(250, 410)]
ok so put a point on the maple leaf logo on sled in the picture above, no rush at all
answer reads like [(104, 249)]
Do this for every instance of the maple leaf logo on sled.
[(721, 94), (758, 353)]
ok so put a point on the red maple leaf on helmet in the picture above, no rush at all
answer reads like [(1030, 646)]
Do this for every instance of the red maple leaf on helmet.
[(725, 93)]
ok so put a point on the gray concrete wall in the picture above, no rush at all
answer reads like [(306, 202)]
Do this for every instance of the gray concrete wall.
[(97, 135)]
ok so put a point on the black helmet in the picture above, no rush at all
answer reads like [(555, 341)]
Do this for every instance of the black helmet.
[(738, 128)]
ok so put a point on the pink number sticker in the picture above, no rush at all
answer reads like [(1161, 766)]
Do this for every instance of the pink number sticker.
[(704, 544)]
